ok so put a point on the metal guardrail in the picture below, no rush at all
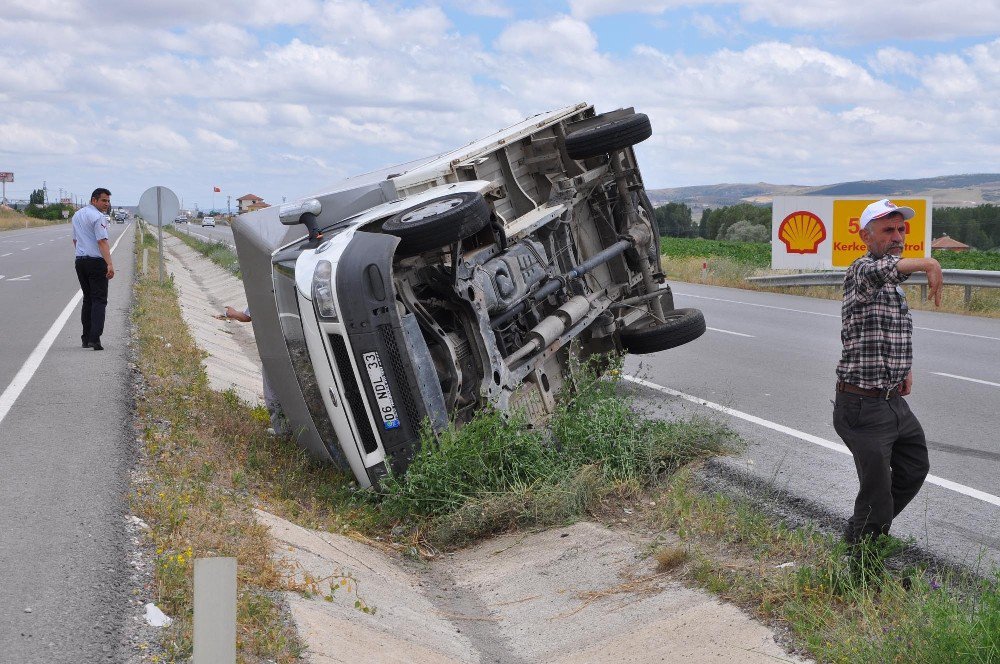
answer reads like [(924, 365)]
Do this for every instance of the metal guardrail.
[(967, 278)]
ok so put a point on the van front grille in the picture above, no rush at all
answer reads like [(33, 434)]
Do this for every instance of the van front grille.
[(354, 397), (399, 369)]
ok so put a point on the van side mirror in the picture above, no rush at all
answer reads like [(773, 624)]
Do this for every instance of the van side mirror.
[(302, 212)]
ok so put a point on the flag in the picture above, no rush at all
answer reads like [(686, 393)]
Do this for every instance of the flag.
[(216, 189)]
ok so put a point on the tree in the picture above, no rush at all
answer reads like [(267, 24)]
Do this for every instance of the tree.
[(674, 220), (747, 231), (37, 197)]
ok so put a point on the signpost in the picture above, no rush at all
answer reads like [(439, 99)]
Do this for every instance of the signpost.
[(159, 204), (5, 177)]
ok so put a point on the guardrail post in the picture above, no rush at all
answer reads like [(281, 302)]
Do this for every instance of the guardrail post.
[(214, 611), (923, 292), (145, 261), (968, 295)]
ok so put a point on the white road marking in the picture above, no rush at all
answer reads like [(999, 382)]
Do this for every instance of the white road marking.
[(817, 313), (739, 334), (971, 380), (809, 438), (961, 334), (6, 255), (762, 306), (26, 248), (30, 366), (24, 277)]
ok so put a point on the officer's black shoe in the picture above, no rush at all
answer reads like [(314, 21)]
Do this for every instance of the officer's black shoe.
[(86, 342), (97, 345)]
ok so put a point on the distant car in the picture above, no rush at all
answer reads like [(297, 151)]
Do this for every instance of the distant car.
[(107, 218), (208, 221), (180, 219), (120, 216)]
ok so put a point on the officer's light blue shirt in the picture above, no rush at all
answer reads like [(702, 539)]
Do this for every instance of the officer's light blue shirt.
[(89, 226)]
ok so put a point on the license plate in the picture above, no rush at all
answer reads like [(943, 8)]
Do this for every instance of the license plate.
[(385, 406)]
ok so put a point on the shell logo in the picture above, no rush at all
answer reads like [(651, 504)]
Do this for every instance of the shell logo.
[(802, 232)]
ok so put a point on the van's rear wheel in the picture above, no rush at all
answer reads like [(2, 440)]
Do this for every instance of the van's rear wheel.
[(438, 222), (606, 137), (649, 335)]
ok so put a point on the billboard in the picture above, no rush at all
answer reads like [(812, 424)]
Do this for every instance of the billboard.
[(822, 232), (6, 177)]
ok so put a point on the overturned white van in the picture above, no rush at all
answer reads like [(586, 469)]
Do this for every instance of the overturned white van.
[(429, 290)]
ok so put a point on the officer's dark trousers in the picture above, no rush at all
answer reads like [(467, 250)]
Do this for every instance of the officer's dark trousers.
[(93, 276), (890, 453)]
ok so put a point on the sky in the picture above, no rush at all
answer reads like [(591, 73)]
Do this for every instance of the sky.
[(283, 99)]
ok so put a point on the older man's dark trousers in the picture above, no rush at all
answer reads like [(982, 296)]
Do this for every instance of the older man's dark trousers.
[(890, 454), (93, 276)]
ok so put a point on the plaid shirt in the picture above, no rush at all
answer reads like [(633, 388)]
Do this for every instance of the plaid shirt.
[(878, 351)]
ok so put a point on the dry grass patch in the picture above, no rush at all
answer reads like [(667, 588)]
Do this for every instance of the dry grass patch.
[(13, 220), (208, 462)]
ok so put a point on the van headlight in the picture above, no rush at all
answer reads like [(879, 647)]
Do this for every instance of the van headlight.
[(322, 291)]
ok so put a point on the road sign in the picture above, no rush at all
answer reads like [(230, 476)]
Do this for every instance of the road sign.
[(6, 177), (159, 205), (822, 232)]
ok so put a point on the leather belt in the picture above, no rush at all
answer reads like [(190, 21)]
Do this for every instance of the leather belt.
[(887, 393)]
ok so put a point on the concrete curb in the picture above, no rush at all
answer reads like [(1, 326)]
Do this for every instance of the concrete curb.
[(204, 289)]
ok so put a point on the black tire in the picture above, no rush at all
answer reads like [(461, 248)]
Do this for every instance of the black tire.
[(608, 136), (438, 223), (648, 335)]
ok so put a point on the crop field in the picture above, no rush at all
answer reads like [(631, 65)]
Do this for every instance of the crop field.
[(758, 254)]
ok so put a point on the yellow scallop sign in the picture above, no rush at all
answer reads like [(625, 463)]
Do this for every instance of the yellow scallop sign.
[(801, 232), (847, 243)]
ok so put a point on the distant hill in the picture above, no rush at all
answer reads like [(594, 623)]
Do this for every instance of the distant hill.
[(946, 190)]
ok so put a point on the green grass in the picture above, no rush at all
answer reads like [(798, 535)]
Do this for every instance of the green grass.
[(497, 472), (837, 609), (218, 252), (753, 254)]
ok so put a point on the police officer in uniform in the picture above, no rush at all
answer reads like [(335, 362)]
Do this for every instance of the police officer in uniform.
[(93, 265)]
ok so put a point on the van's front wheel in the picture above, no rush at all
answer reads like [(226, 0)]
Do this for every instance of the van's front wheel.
[(649, 335), (438, 222)]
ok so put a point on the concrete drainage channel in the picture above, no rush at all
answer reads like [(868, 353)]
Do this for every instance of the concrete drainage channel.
[(580, 593)]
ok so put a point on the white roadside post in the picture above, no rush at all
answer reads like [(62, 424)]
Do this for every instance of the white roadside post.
[(159, 203), (214, 611)]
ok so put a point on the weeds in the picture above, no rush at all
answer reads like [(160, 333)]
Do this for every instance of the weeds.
[(841, 606), (497, 472), (218, 252)]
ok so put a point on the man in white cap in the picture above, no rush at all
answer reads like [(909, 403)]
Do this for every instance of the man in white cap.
[(874, 373)]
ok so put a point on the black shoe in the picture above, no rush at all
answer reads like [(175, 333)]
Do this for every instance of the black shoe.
[(86, 343), (97, 345)]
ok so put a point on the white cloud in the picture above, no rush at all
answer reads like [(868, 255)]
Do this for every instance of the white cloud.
[(894, 61), (491, 8), (214, 141), (192, 92), (24, 139), (881, 19)]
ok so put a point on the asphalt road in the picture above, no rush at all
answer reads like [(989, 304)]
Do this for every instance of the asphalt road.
[(773, 357), (220, 233), (65, 451)]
